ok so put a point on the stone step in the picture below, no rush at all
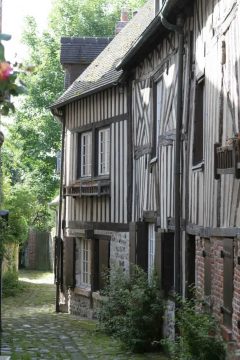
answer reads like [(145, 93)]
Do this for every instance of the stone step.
[(5, 357)]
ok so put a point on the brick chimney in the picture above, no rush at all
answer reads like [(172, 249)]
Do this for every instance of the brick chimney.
[(123, 21)]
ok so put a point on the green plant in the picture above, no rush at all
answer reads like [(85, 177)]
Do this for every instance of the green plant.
[(132, 310), (198, 338), (11, 285)]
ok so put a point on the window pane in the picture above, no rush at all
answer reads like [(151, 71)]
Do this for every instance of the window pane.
[(103, 151), (151, 249), (86, 154)]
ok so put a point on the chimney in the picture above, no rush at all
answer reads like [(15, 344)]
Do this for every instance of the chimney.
[(123, 21)]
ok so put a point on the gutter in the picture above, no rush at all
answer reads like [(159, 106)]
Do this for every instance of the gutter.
[(58, 239)]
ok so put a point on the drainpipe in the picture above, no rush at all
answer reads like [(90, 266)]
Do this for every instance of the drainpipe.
[(177, 167), (58, 238)]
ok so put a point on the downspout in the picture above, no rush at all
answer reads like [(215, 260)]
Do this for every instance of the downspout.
[(178, 28), (59, 230)]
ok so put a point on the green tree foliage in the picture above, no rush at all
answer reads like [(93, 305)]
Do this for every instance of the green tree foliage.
[(34, 137)]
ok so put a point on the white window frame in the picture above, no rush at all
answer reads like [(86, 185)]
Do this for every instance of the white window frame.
[(151, 249), (86, 154), (104, 151), (83, 263)]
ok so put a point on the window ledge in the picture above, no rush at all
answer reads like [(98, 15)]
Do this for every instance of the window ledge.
[(81, 291), (199, 166), (96, 296)]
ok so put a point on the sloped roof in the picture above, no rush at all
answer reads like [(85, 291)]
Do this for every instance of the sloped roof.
[(102, 71), (82, 50)]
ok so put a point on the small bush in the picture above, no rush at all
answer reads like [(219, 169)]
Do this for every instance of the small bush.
[(11, 285), (199, 338), (132, 310)]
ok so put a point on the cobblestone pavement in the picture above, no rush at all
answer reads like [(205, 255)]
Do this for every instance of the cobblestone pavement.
[(32, 330)]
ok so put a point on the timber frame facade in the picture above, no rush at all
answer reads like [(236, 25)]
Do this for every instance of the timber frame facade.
[(185, 122), (170, 201)]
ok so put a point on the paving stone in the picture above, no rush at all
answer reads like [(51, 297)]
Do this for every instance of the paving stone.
[(32, 328)]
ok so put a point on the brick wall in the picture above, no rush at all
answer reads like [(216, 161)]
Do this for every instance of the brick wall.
[(236, 294), (200, 266), (217, 281), (217, 278)]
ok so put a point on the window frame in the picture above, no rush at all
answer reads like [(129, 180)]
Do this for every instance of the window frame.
[(87, 155), (105, 152), (94, 147), (83, 268)]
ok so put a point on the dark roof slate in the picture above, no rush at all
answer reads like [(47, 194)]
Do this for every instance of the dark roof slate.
[(81, 50), (102, 71)]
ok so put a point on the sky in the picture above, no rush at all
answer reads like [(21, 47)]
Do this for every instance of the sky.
[(14, 12)]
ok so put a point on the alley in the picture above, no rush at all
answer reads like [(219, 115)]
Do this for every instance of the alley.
[(32, 330)]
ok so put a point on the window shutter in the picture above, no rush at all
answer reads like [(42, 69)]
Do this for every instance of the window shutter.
[(158, 256), (79, 157), (142, 245), (95, 265), (104, 255), (167, 262), (198, 123), (139, 244), (227, 255), (69, 249), (207, 268)]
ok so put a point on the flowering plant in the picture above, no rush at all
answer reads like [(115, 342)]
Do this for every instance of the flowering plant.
[(9, 83)]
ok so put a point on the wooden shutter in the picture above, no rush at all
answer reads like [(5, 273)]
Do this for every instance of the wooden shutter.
[(167, 262), (104, 255), (190, 264), (227, 255), (158, 261), (207, 268), (69, 266), (139, 244), (198, 123), (95, 265), (78, 157), (142, 245)]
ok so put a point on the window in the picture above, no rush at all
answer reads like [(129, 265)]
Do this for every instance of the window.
[(83, 263), (198, 123), (94, 159), (103, 151), (86, 154), (151, 249)]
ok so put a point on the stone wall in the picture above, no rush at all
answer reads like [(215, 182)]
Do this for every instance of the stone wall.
[(80, 304), (119, 250)]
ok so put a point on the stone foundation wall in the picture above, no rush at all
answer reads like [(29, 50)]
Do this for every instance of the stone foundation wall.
[(80, 305), (119, 250)]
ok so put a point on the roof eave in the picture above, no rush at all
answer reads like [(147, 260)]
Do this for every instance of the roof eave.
[(169, 8), (85, 94)]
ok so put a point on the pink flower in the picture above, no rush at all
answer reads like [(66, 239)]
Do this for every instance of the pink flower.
[(5, 70)]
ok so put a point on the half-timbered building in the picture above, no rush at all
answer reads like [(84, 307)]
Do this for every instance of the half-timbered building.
[(96, 173), (185, 72)]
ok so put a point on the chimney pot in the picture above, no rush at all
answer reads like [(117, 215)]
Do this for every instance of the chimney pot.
[(124, 15)]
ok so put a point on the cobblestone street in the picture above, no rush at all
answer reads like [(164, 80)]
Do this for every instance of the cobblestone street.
[(32, 330)]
